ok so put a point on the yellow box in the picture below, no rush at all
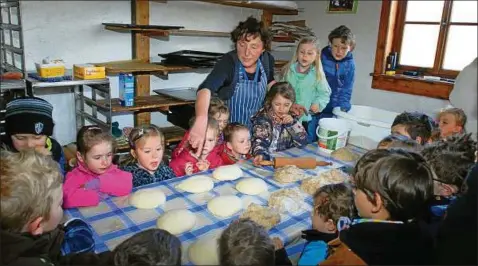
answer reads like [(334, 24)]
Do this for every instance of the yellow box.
[(88, 71), (50, 70)]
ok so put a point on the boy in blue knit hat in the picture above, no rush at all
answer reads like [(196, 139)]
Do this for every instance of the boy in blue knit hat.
[(29, 125)]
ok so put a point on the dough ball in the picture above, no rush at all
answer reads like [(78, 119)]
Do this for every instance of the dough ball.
[(204, 251), (289, 174), (196, 184), (251, 186), (262, 215), (148, 198), (177, 221), (344, 154), (333, 176), (227, 172), (225, 206), (310, 185), (286, 200)]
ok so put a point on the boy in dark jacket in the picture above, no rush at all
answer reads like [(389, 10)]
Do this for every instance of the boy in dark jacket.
[(390, 194)]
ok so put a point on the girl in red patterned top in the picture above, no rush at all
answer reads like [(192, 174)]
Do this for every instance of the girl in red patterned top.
[(237, 143)]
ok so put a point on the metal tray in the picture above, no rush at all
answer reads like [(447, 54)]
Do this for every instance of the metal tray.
[(155, 27), (187, 94), (193, 54)]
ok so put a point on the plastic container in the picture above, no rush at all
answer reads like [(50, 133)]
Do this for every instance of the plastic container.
[(369, 125), (126, 89), (50, 70), (332, 134), (88, 71)]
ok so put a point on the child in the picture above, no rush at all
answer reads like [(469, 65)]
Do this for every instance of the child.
[(237, 144), (219, 111), (31, 212), (330, 203), (391, 194), (339, 68), (274, 129), (95, 176), (186, 162), (451, 121), (305, 74), (244, 242), (29, 125), (146, 156), (450, 160), (149, 247), (399, 141), (416, 126)]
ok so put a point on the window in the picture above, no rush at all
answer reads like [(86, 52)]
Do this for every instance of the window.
[(434, 38)]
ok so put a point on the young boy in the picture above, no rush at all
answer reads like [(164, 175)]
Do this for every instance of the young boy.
[(451, 121), (244, 242), (416, 126), (399, 142), (31, 199), (339, 68), (237, 144), (390, 194)]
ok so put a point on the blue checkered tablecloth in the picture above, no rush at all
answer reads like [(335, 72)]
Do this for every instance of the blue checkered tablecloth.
[(115, 220)]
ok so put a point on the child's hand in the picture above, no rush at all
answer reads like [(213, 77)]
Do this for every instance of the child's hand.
[(202, 165), (257, 160), (189, 168), (298, 110), (314, 108), (93, 184), (277, 243), (287, 119)]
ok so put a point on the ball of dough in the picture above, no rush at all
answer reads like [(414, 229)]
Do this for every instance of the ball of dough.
[(148, 198), (286, 200), (225, 206), (204, 251), (196, 184), (251, 186), (227, 172), (289, 174), (177, 221), (265, 216)]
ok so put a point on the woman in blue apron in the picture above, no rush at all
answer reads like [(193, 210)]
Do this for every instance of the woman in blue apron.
[(241, 79)]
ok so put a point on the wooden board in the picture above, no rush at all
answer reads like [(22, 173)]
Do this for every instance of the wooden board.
[(138, 67), (143, 104), (255, 5), (199, 33)]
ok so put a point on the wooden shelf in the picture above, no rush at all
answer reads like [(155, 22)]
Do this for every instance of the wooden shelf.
[(166, 33), (200, 33), (278, 64), (285, 39), (143, 103), (138, 66), (254, 5)]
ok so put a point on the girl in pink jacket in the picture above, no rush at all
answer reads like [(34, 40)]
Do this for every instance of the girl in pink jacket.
[(96, 176)]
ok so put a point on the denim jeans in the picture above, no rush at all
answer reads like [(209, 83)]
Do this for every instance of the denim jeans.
[(311, 126)]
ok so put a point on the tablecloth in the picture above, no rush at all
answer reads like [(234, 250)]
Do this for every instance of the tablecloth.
[(115, 220)]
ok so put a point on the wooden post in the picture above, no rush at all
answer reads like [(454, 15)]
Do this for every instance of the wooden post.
[(267, 19), (140, 41)]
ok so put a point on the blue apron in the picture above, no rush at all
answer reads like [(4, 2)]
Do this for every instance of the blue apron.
[(248, 96)]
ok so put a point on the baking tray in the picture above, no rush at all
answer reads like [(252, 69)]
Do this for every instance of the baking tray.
[(187, 94), (155, 27), (193, 55)]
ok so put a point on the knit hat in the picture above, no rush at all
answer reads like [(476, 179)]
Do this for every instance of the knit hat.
[(29, 115)]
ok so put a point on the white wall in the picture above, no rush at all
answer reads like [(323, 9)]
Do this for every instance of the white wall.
[(364, 24), (72, 31)]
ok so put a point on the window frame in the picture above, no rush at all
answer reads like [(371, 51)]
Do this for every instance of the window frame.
[(392, 23)]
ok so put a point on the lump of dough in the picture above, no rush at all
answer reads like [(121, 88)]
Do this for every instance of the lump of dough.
[(148, 198), (177, 221), (286, 200), (204, 251), (344, 154), (251, 186), (196, 184), (289, 174), (262, 215), (225, 206), (227, 172), (311, 184), (333, 176)]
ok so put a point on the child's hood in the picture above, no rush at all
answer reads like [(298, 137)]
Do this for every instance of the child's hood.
[(327, 52), (293, 68)]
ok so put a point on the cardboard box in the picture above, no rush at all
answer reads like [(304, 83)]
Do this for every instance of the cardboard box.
[(88, 71), (126, 89), (51, 70)]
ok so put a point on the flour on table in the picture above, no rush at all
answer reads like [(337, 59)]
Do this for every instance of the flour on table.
[(286, 200), (262, 215), (148, 198), (227, 172), (251, 186), (333, 176), (196, 184), (205, 251), (225, 206), (289, 174), (177, 221)]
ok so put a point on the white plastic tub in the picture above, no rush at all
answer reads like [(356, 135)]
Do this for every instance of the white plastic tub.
[(369, 125)]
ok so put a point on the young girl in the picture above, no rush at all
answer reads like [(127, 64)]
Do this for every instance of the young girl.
[(219, 111), (304, 72), (186, 162), (274, 129), (451, 121), (237, 145), (29, 125), (146, 156), (95, 176)]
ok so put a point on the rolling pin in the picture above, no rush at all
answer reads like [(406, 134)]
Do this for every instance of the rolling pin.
[(304, 162)]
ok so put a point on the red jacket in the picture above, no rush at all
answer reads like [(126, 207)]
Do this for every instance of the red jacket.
[(178, 163), (227, 156), (184, 143)]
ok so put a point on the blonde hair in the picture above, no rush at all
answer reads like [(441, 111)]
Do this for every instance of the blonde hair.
[(89, 136), (319, 71), (217, 106), (138, 134), (28, 182), (458, 113)]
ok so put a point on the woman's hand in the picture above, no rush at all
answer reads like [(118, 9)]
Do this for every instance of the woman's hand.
[(314, 108), (298, 110), (257, 160), (287, 119), (197, 134)]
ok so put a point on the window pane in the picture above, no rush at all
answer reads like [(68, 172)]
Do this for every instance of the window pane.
[(419, 44), (464, 11), (429, 11), (461, 46)]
